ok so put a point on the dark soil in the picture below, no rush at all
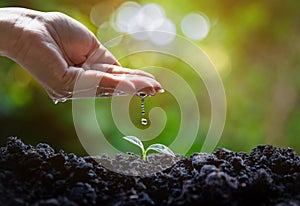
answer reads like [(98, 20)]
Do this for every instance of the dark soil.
[(40, 176)]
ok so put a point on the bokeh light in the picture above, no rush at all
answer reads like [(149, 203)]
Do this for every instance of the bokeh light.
[(126, 17), (151, 17), (195, 26), (164, 34), (142, 22)]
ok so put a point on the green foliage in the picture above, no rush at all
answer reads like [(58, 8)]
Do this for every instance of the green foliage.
[(254, 45), (156, 147)]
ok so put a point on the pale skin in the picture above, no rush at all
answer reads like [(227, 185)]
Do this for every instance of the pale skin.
[(65, 57)]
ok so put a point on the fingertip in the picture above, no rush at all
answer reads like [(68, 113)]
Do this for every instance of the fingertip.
[(117, 63), (143, 73), (160, 91)]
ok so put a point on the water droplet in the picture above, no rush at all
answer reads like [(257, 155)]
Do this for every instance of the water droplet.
[(161, 91), (64, 99), (144, 121), (142, 95)]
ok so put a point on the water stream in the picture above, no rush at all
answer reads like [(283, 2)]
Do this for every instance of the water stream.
[(144, 120)]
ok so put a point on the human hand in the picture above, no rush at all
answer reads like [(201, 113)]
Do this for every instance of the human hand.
[(68, 60)]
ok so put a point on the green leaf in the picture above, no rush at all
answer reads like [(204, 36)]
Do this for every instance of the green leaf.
[(161, 149), (135, 141)]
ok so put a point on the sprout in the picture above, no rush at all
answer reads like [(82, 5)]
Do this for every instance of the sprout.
[(156, 147)]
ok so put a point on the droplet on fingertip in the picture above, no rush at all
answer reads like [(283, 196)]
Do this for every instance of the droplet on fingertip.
[(161, 91)]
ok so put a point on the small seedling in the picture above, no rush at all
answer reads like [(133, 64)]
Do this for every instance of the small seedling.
[(156, 147)]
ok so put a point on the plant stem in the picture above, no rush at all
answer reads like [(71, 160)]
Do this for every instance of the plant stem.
[(144, 155)]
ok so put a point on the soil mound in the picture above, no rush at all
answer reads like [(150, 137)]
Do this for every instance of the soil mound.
[(40, 176)]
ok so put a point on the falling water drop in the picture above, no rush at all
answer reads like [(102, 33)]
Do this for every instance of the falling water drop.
[(144, 121)]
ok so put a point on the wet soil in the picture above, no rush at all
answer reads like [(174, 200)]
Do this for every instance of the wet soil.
[(40, 176)]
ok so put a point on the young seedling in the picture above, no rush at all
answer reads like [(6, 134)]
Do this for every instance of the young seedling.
[(156, 147)]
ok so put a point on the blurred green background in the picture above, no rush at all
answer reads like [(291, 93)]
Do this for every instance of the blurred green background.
[(254, 45)]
